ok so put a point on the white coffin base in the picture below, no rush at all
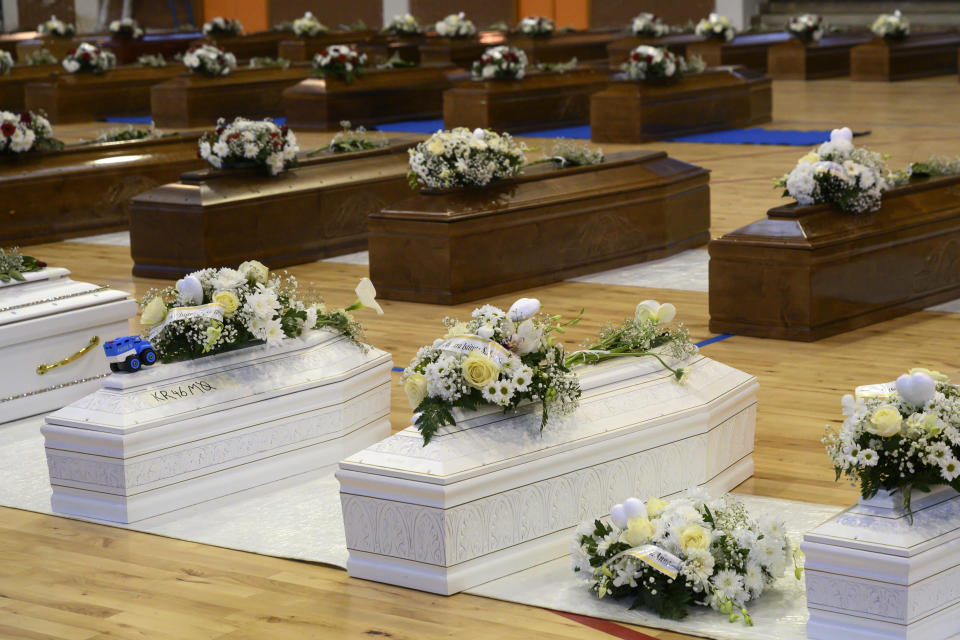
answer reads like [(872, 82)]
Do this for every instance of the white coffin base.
[(180, 434), (493, 496), (871, 575), (450, 580)]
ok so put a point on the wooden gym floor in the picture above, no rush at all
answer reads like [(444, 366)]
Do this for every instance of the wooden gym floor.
[(61, 578)]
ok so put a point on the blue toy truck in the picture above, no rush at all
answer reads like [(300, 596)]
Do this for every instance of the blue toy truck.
[(129, 353)]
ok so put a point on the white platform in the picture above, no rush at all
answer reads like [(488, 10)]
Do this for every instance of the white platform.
[(873, 575), (45, 319), (175, 435), (494, 495)]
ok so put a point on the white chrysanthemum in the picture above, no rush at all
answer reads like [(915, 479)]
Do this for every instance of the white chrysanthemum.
[(228, 280), (753, 579), (730, 584)]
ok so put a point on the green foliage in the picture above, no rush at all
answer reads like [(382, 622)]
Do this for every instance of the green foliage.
[(359, 139), (13, 264)]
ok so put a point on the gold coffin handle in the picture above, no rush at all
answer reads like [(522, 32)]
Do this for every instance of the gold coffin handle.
[(43, 368)]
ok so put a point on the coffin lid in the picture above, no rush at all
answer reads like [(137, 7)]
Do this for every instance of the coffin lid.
[(922, 201), (43, 295), (917, 40), (165, 393), (542, 184), (638, 392), (209, 187), (936, 520)]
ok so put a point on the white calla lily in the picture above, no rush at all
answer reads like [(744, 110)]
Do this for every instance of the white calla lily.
[(367, 296), (653, 310)]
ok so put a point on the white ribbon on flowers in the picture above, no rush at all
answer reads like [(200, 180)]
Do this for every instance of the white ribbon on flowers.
[(211, 311), (660, 559), (468, 343)]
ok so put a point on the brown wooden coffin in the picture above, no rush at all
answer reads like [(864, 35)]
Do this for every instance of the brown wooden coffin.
[(560, 47), (216, 218), (194, 100), (543, 226), (538, 101), (827, 58), (677, 43), (304, 49), (249, 45), (805, 273), (460, 52), (917, 56), (85, 189), (57, 46), (377, 97), (722, 98), (13, 85), (167, 44), (9, 41), (82, 97), (747, 49)]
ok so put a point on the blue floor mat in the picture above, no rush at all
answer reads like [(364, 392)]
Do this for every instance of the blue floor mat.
[(755, 135)]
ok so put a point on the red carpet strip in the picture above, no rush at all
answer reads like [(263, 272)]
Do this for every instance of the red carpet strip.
[(606, 626)]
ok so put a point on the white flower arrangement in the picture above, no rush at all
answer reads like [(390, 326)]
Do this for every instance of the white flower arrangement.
[(220, 26), (307, 26), (209, 60), (155, 60), (27, 131), (341, 61), (837, 172), (40, 56), (126, 28), (497, 358), (647, 25), (464, 158), (89, 58), (899, 437), (892, 26), (403, 25), (536, 26), (690, 550), (57, 28), (246, 143), (266, 62), (6, 62), (658, 63), (213, 310), (500, 63), (807, 27), (716, 26), (455, 25)]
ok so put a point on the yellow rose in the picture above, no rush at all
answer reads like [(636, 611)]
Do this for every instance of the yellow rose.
[(885, 421), (254, 270), (655, 506), (436, 147), (810, 158), (479, 370), (936, 375), (926, 422), (228, 300), (154, 312), (695, 537), (639, 530), (415, 387)]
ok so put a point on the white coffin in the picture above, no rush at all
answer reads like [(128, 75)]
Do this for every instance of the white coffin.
[(872, 575), (493, 495), (174, 435), (44, 320)]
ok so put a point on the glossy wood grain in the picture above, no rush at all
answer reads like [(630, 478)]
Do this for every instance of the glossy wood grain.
[(13, 85), (167, 44), (194, 100), (460, 52), (805, 273), (57, 46), (546, 225), (9, 41), (82, 97), (537, 101), (746, 49), (639, 111), (304, 49), (85, 189), (828, 57), (917, 56), (248, 45), (316, 210), (560, 47), (374, 98)]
